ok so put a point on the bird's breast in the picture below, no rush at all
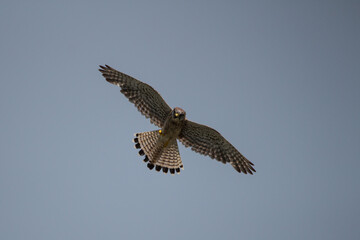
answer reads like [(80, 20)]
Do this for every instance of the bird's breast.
[(171, 129)]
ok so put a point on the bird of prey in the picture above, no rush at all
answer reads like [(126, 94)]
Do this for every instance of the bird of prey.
[(160, 147)]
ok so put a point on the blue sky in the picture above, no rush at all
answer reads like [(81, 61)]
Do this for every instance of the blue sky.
[(279, 79)]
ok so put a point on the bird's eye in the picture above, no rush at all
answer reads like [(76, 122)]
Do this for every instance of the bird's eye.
[(176, 115)]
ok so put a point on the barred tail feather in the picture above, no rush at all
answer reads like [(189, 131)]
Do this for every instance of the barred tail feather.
[(165, 158), (170, 158)]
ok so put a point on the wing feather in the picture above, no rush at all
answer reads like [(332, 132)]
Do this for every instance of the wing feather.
[(147, 100), (208, 141)]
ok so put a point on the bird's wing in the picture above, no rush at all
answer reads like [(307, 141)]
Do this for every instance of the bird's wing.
[(207, 141), (147, 100)]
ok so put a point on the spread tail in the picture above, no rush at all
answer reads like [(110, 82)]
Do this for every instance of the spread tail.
[(160, 156)]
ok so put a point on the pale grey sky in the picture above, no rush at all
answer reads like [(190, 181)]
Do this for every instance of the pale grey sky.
[(279, 79)]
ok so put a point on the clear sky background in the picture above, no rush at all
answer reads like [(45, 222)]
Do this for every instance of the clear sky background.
[(279, 79)]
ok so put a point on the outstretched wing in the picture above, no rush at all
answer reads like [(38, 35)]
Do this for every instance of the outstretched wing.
[(147, 100), (207, 141)]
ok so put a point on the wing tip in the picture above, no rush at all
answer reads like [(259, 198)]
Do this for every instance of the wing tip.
[(104, 69), (243, 169)]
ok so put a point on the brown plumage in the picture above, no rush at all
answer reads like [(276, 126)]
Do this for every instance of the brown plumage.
[(160, 147)]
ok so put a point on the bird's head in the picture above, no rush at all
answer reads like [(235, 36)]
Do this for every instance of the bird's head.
[(178, 114)]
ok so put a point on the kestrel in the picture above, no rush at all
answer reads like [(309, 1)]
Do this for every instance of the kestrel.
[(160, 147)]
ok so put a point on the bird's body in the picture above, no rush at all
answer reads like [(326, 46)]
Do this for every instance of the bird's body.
[(174, 123), (160, 146)]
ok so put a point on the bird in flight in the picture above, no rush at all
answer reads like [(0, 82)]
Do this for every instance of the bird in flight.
[(159, 147)]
